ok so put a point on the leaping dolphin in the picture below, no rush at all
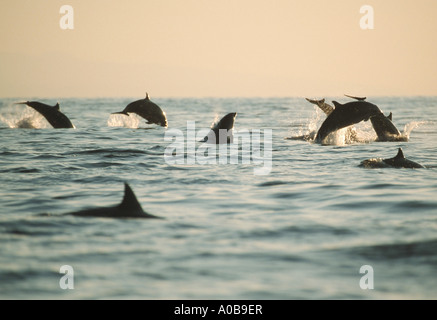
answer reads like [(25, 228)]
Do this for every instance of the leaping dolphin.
[(146, 109), (345, 115), (385, 129), (128, 208), (397, 162), (52, 114), (221, 131)]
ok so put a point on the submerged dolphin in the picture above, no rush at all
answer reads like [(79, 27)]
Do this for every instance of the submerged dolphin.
[(220, 132), (345, 115), (128, 208), (52, 114), (397, 162), (146, 109)]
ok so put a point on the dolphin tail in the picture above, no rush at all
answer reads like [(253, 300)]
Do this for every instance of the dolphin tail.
[(315, 101)]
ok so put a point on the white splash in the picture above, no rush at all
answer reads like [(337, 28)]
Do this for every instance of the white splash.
[(23, 117), (120, 120)]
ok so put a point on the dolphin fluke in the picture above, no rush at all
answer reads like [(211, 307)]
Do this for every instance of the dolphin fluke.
[(356, 98), (326, 108)]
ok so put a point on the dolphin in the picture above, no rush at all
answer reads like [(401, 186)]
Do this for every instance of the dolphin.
[(385, 129), (397, 162), (128, 208), (220, 132), (52, 113), (146, 109), (345, 115)]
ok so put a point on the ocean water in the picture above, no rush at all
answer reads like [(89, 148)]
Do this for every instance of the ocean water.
[(299, 227)]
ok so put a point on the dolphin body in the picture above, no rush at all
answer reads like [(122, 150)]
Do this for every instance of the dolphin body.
[(220, 132), (345, 115), (52, 114), (128, 208), (397, 162), (385, 129), (146, 109)]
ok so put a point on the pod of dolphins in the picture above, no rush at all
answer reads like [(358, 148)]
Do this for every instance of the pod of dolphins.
[(338, 117)]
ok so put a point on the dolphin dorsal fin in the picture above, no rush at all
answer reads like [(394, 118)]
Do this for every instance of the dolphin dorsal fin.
[(130, 202), (390, 116), (57, 106), (400, 154), (337, 104)]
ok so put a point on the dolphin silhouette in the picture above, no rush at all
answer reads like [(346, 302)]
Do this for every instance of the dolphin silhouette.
[(146, 109), (52, 114), (385, 129), (345, 115), (220, 132), (397, 162), (128, 208), (327, 109)]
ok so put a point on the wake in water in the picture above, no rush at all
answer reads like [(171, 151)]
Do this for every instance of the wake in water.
[(119, 120)]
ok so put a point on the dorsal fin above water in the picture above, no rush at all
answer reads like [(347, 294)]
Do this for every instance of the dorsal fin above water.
[(130, 202), (337, 104), (390, 116), (400, 154), (57, 107)]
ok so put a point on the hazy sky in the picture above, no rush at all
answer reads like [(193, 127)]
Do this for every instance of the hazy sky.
[(217, 48)]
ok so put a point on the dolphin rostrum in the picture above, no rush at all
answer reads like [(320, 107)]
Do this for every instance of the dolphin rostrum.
[(52, 114), (128, 208), (146, 109)]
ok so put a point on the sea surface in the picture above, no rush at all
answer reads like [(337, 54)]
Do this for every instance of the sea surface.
[(285, 219)]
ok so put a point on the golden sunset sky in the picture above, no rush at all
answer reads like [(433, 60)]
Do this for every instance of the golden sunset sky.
[(217, 48)]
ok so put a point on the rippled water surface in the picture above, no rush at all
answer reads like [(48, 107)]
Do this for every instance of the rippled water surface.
[(302, 231)]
